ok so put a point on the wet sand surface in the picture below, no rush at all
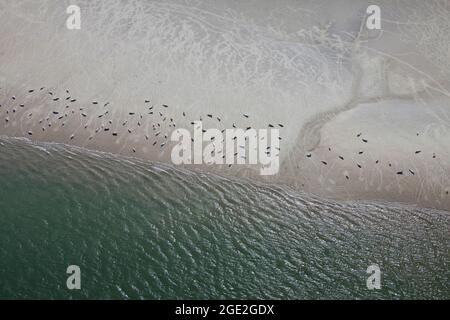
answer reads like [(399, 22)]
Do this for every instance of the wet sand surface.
[(355, 105)]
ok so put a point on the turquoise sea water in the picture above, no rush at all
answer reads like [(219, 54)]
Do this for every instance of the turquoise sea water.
[(151, 231)]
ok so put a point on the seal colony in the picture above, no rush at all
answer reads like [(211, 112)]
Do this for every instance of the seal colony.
[(147, 135), (357, 119)]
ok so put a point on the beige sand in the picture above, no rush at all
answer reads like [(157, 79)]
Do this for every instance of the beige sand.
[(292, 64)]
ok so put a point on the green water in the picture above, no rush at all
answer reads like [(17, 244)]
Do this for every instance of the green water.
[(145, 231)]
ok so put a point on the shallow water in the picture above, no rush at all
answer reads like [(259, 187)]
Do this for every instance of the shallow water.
[(142, 230)]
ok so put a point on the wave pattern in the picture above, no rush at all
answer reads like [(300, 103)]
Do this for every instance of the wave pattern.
[(141, 230)]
